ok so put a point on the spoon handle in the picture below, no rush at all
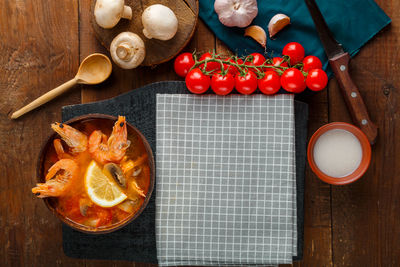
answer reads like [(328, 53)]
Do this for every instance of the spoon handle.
[(45, 98)]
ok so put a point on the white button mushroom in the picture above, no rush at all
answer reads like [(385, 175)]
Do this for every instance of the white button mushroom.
[(159, 22), (127, 50), (109, 12)]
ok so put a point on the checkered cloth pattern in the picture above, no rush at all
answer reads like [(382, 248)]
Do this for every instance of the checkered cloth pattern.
[(225, 186)]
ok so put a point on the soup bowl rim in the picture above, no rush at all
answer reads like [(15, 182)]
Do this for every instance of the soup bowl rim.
[(73, 224), (365, 160)]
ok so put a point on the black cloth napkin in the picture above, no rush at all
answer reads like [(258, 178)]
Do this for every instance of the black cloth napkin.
[(137, 241)]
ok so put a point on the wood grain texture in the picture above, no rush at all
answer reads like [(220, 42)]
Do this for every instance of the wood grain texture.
[(365, 214), (317, 200), (353, 225), (39, 51), (157, 51)]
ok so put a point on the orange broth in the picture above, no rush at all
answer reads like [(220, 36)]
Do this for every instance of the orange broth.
[(98, 217)]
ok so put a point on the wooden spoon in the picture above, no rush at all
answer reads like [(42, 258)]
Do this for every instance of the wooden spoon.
[(94, 69)]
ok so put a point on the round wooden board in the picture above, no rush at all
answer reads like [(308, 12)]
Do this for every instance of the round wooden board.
[(157, 51)]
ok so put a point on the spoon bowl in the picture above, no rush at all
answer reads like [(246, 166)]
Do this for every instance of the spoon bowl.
[(94, 69)]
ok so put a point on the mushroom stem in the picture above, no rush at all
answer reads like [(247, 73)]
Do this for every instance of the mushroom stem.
[(124, 51), (127, 13)]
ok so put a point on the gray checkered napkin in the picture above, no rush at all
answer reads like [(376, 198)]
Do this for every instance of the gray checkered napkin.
[(225, 180)]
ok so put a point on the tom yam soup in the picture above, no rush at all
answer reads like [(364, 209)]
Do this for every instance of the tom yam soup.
[(96, 173)]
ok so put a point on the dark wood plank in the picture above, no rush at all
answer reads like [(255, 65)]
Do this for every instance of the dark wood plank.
[(317, 200), (39, 50), (366, 214)]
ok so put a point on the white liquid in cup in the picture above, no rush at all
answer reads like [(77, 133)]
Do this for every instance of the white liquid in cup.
[(337, 153)]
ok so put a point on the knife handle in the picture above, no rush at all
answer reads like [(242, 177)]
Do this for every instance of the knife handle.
[(352, 97)]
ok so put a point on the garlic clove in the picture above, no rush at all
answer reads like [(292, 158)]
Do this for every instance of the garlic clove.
[(277, 23), (258, 34)]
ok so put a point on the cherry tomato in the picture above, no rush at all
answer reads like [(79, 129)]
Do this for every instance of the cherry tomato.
[(211, 66), (197, 82), (311, 62), (278, 60), (232, 69), (257, 60), (292, 80), (295, 51), (316, 79), (270, 83), (222, 84), (246, 84), (183, 63)]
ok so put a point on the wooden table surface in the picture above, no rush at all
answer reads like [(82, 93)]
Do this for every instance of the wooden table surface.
[(42, 44)]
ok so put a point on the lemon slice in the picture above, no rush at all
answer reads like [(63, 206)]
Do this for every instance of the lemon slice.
[(101, 190)]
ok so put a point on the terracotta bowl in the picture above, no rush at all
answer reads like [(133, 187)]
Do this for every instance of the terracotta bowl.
[(365, 160), (51, 202)]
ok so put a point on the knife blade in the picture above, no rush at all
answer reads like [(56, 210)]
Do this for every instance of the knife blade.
[(339, 61)]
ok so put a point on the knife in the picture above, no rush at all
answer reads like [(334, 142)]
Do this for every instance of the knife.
[(339, 61)]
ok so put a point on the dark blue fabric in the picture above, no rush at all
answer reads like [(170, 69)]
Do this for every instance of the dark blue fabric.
[(353, 23)]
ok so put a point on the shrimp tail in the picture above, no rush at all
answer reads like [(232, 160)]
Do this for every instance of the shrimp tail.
[(58, 147)]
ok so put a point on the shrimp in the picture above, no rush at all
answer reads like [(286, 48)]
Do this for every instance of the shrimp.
[(136, 188), (128, 165), (58, 179), (75, 139), (113, 149), (58, 147)]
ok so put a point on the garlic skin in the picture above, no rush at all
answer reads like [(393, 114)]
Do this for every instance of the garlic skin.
[(277, 23), (127, 50), (236, 13), (159, 22), (257, 33)]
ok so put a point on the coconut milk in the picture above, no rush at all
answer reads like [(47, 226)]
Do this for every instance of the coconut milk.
[(337, 153)]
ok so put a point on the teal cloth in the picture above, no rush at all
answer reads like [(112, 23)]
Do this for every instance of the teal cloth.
[(352, 22)]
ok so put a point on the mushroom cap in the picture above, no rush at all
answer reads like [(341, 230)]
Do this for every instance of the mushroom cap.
[(127, 50), (116, 173), (159, 22), (108, 12)]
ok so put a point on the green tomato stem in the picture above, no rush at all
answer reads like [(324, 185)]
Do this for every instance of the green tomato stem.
[(242, 68)]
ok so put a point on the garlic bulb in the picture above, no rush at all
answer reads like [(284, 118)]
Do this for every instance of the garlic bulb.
[(239, 13)]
